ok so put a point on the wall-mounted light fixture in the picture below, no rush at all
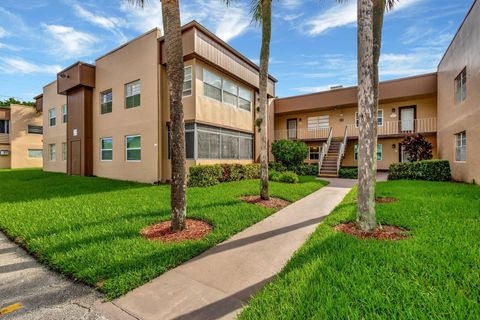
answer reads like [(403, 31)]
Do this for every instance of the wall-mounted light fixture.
[(394, 113), (394, 146)]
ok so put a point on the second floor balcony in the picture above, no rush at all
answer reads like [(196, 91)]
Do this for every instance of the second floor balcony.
[(387, 128)]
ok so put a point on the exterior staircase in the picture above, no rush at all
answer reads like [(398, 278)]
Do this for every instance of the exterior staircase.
[(329, 164)]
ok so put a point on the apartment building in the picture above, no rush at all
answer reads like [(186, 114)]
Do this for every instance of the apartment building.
[(111, 119), (21, 131)]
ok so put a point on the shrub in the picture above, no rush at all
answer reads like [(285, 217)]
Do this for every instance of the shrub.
[(348, 173), (232, 172), (305, 169), (287, 176), (251, 171), (417, 148), (276, 166), (205, 175), (431, 170), (289, 153)]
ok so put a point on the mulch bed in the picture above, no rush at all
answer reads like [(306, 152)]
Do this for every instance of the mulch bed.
[(385, 200), (383, 232), (275, 203), (196, 229)]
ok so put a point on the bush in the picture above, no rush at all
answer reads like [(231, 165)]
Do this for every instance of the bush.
[(430, 170), (417, 148), (306, 169), (348, 173), (276, 166), (205, 175), (232, 172), (251, 171), (287, 176), (289, 153)]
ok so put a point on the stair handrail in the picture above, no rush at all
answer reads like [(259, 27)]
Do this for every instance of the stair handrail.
[(341, 151), (325, 147)]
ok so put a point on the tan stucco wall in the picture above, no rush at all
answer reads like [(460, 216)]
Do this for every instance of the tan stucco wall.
[(452, 118), (56, 134), (5, 160), (341, 117), (21, 141), (136, 61)]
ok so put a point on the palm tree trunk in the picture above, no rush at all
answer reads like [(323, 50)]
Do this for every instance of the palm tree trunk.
[(367, 112), (263, 83), (175, 74)]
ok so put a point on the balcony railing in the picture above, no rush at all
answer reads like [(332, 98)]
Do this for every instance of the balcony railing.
[(4, 138), (302, 134), (400, 127)]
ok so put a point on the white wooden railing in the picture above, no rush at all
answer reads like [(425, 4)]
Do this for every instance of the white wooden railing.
[(325, 147), (343, 146), (424, 125), (302, 134), (4, 138)]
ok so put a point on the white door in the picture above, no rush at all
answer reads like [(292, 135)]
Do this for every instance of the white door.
[(408, 116)]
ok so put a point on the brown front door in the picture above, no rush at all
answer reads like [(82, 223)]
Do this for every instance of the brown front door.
[(75, 157), (292, 128)]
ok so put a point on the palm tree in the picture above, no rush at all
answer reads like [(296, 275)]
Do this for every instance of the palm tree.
[(370, 23), (261, 11), (175, 74)]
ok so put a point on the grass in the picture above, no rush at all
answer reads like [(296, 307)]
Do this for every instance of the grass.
[(88, 227), (435, 274)]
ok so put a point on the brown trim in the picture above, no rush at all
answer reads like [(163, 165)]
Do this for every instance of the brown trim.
[(456, 33), (414, 107), (296, 128)]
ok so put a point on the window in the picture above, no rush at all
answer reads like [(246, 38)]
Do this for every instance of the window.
[(379, 152), (244, 99), (52, 117), (133, 148), (187, 81), (461, 146), (106, 101), (106, 149), (64, 151), (52, 152), (132, 94), (64, 113), (314, 153), (230, 93), (35, 129), (315, 123), (461, 86), (379, 118), (212, 85), (4, 126), (35, 153)]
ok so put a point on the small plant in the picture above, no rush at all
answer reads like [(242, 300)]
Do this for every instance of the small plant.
[(348, 173), (286, 177), (289, 153), (417, 148)]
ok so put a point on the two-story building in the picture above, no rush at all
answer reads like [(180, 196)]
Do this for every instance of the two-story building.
[(20, 137)]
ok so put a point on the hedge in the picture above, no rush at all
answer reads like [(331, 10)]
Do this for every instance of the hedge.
[(286, 176), (303, 169), (430, 170), (348, 173), (209, 175)]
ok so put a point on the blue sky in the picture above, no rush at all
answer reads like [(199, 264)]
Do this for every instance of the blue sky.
[(313, 42)]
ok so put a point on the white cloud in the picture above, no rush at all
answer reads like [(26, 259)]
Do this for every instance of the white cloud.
[(3, 32), (226, 22), (291, 4), (68, 42), (342, 15), (15, 65), (418, 61), (313, 89)]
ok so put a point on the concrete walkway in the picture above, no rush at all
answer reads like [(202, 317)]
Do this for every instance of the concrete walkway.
[(216, 284), (28, 290)]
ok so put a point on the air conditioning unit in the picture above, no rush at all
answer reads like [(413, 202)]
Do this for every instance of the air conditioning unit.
[(4, 152)]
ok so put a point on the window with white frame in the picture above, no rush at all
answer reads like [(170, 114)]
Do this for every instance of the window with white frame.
[(314, 152), (106, 101), (64, 151), (212, 85), (106, 149), (318, 122), (230, 93), (52, 117), (64, 114), (34, 129), (379, 152), (461, 86), (244, 99), (187, 81), (461, 146), (35, 153), (379, 118), (132, 94), (133, 148), (52, 152), (4, 126)]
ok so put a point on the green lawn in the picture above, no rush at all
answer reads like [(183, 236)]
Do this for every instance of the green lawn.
[(433, 275), (89, 227)]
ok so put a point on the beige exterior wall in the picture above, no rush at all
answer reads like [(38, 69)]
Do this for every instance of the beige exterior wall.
[(138, 60), (453, 118), (5, 160), (53, 134), (21, 141)]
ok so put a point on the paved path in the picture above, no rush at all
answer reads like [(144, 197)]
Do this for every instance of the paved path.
[(216, 284), (42, 293)]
